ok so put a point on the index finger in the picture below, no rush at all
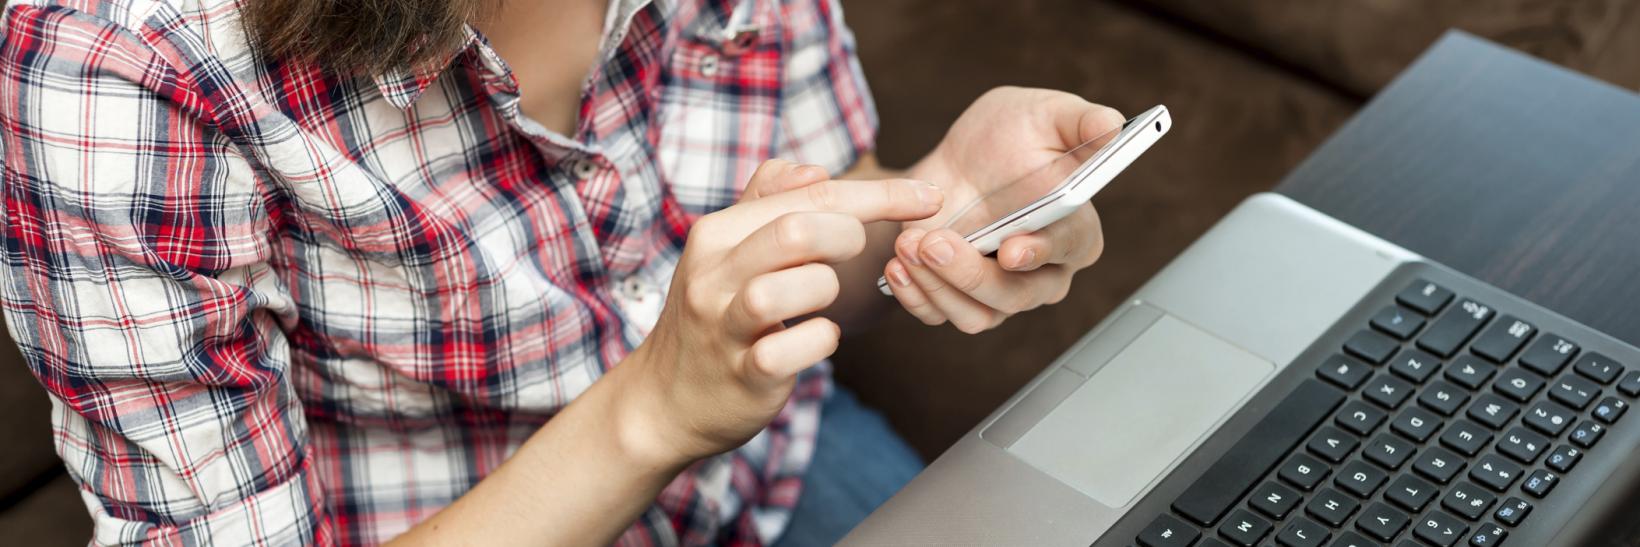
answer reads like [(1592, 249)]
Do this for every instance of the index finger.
[(866, 200)]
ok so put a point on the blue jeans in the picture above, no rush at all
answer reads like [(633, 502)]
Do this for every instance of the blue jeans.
[(859, 462)]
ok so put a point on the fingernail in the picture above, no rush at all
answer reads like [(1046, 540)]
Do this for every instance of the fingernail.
[(927, 193), (1025, 258), (910, 253), (938, 251), (898, 277)]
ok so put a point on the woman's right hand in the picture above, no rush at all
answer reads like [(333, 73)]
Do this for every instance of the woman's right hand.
[(721, 362)]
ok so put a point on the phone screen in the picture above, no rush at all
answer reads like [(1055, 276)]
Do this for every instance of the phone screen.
[(1041, 182)]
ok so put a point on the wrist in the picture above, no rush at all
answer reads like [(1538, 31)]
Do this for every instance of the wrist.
[(642, 425)]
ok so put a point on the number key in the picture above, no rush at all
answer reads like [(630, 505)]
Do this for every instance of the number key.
[(1468, 500), (1574, 391), (1610, 409), (1522, 445), (1598, 367), (1551, 418)]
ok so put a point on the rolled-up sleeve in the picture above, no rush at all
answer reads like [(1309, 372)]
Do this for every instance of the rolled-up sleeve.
[(136, 283)]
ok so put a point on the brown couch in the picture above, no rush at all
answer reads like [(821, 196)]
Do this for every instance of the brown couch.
[(1254, 86)]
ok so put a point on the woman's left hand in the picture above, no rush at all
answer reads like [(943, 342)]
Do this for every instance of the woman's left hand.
[(1007, 133)]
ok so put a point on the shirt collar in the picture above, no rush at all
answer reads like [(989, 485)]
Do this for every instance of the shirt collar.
[(403, 85)]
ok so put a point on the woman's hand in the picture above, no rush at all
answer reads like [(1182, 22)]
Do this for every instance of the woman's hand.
[(721, 362), (1005, 134)]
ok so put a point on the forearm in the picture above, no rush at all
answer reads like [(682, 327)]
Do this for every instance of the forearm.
[(858, 300), (582, 479)]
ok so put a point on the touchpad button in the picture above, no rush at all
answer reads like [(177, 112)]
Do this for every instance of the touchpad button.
[(1138, 414)]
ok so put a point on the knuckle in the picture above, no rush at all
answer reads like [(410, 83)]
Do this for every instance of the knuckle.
[(971, 326), (698, 298), (792, 232), (825, 195), (970, 279), (757, 301)]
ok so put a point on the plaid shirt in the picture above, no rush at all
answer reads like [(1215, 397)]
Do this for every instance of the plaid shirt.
[(272, 305)]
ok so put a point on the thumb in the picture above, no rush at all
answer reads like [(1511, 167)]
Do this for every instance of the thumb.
[(777, 175)]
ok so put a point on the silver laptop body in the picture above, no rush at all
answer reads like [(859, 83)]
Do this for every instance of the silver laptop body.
[(1072, 452)]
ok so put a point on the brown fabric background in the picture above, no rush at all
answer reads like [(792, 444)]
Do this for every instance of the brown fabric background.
[(1253, 85)]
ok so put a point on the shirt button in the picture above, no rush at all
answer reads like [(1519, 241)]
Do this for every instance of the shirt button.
[(709, 65), (584, 169)]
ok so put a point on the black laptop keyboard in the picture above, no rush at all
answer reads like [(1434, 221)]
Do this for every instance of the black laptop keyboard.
[(1442, 422)]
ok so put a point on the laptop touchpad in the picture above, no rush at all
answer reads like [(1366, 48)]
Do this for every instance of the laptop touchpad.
[(1139, 413)]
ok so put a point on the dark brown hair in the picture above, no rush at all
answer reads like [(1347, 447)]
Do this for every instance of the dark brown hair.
[(353, 36)]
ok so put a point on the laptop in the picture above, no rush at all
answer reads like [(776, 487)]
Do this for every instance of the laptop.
[(1292, 380)]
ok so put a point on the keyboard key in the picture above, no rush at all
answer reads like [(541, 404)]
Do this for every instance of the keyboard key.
[(1303, 532), (1425, 297), (1416, 423), (1443, 397), (1411, 493), (1440, 529), (1438, 464), (1382, 521), (1495, 472), (1503, 339), (1470, 371), (1345, 371), (1333, 445), (1304, 472), (1539, 483), (1598, 367), (1371, 347), (1518, 384), (1212, 542), (1512, 511), (1360, 479), (1548, 354), (1522, 445), (1587, 433), (1551, 418), (1466, 437), (1388, 451), (1574, 391), (1468, 500), (1167, 531), (1352, 539), (1388, 391), (1414, 365), (1398, 322), (1630, 385), (1359, 418), (1492, 410), (1272, 437), (1274, 500), (1244, 528), (1610, 409), (1488, 535), (1331, 507), (1564, 458), (1454, 328)]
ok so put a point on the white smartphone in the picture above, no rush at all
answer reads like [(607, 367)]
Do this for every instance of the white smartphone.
[(1046, 194)]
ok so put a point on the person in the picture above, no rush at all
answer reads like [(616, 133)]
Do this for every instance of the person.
[(491, 273)]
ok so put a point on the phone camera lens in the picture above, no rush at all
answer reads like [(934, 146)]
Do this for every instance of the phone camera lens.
[(1158, 125)]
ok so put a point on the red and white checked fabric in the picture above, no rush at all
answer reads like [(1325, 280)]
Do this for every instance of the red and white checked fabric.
[(276, 306)]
